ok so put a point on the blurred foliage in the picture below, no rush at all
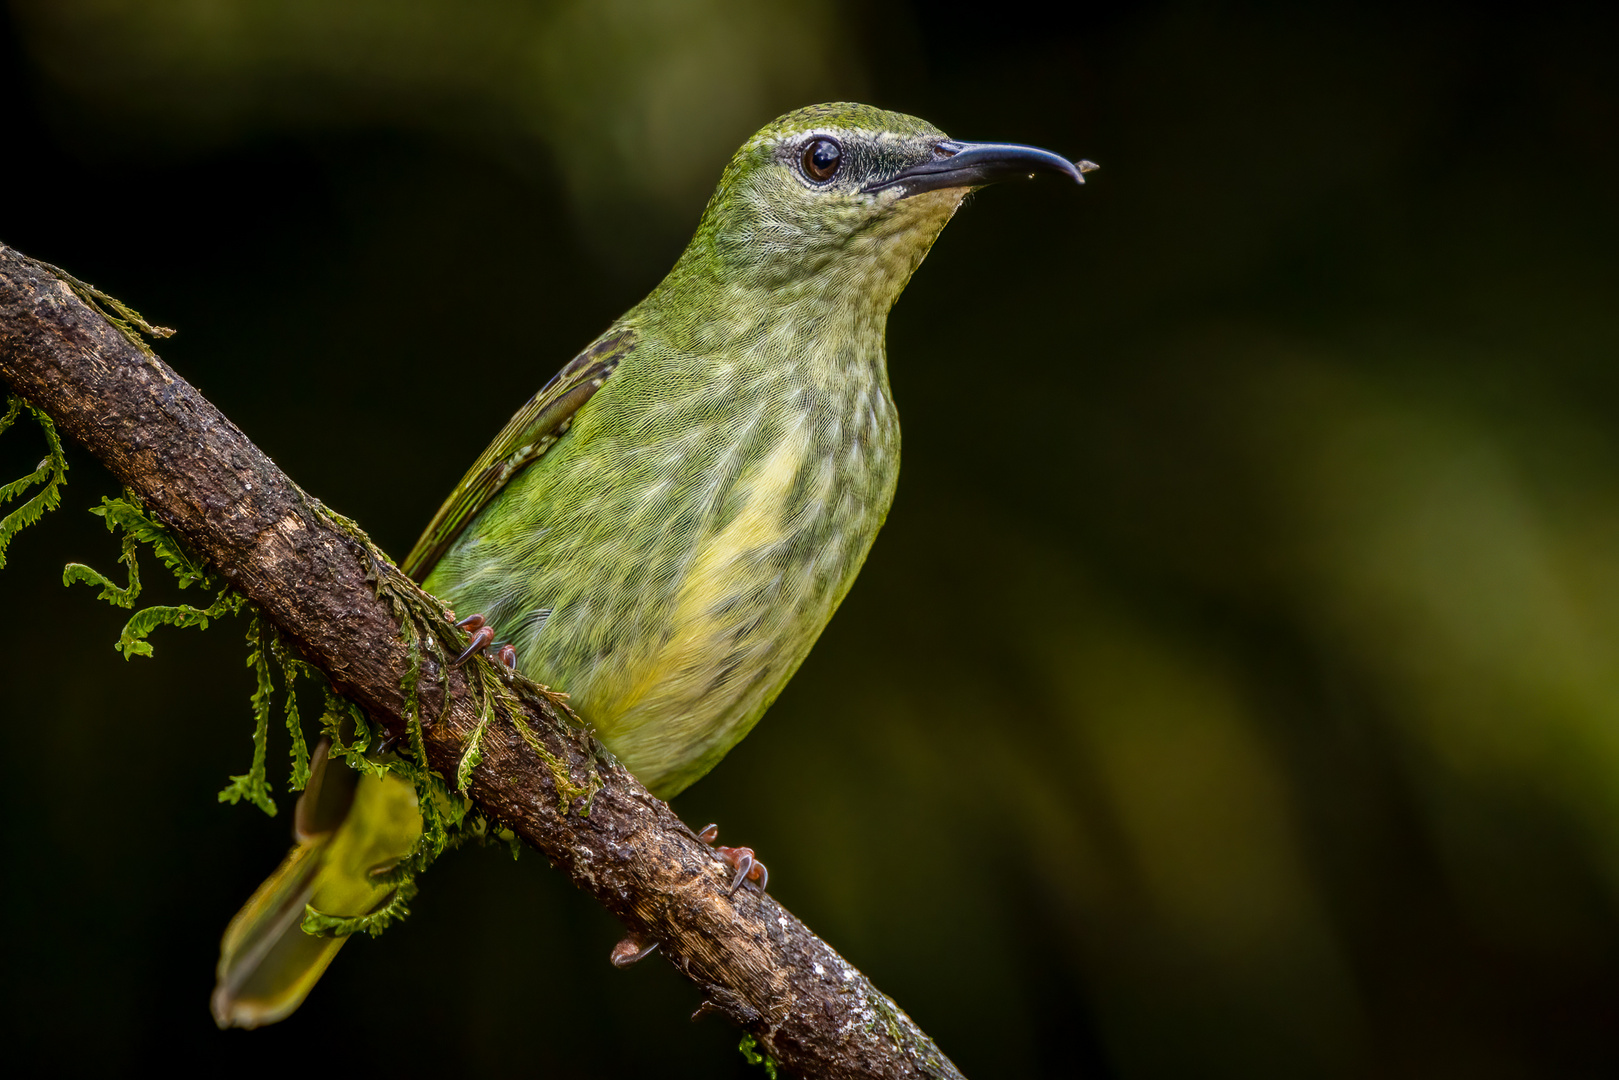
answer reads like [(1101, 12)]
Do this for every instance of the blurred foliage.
[(634, 100), (1235, 687)]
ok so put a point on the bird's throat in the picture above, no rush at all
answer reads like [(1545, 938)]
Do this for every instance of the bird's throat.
[(839, 277)]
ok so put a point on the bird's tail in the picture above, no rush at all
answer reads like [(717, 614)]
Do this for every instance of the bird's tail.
[(349, 828)]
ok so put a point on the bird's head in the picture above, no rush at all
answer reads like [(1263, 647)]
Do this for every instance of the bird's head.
[(845, 199)]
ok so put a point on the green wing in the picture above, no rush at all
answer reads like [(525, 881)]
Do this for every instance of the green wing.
[(529, 434)]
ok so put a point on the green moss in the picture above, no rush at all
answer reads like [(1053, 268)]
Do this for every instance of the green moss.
[(886, 1012), (251, 785), (472, 753), (291, 668), (567, 789), (320, 924), (344, 723), (52, 473), (750, 1053), (188, 569), (126, 319), (448, 818)]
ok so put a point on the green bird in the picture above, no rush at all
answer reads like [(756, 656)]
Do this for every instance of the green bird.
[(667, 526)]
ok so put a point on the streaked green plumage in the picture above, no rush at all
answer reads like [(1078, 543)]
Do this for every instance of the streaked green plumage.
[(671, 558), (666, 528)]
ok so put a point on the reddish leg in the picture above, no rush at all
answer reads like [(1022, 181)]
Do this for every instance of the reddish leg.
[(741, 859)]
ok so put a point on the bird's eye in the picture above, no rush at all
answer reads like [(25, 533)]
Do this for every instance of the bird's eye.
[(821, 159)]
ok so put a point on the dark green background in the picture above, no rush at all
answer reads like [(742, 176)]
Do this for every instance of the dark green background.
[(1234, 690)]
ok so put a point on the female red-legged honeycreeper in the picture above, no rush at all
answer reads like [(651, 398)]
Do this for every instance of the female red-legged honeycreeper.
[(666, 527)]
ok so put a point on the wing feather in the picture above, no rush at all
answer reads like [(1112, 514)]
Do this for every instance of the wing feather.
[(528, 435)]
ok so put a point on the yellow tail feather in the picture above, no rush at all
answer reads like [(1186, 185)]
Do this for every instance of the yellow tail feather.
[(348, 827)]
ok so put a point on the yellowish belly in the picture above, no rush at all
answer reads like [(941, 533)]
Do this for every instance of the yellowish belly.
[(728, 633)]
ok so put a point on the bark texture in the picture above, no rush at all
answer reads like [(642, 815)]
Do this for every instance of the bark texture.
[(753, 961)]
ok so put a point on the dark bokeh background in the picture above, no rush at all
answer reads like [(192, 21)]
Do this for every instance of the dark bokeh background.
[(1235, 688)]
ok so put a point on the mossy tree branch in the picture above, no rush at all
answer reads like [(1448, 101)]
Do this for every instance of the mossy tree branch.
[(312, 575)]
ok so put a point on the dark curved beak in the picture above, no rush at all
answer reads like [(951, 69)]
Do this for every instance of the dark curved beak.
[(962, 164)]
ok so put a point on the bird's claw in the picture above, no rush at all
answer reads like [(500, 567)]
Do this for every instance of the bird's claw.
[(483, 635), (741, 859), (748, 868), (632, 950), (480, 641)]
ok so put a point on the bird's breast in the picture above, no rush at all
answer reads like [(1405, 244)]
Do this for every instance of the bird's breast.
[(671, 560), (767, 568)]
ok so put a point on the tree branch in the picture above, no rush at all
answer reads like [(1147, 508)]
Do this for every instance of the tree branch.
[(753, 961)]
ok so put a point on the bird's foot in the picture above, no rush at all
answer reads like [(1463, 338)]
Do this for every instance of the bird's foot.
[(632, 950), (741, 859), (635, 948), (483, 635)]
